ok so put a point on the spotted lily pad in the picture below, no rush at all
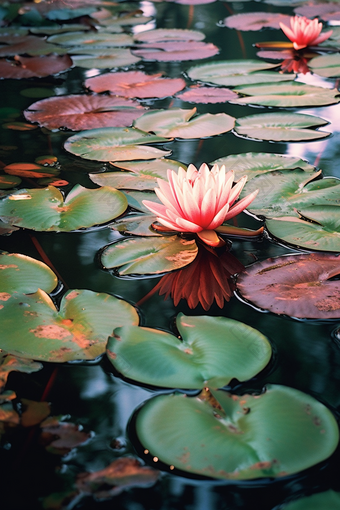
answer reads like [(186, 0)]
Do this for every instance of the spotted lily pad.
[(277, 433), (115, 144), (295, 285), (326, 65), (285, 192), (231, 73), (141, 175), (285, 127), (23, 274), (33, 328), (213, 351), (146, 256), (252, 164), (182, 123), (46, 210), (318, 228), (82, 111), (292, 94)]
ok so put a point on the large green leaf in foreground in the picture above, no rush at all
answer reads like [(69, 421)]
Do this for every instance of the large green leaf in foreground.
[(149, 256), (115, 144), (23, 274), (31, 327), (329, 500), (278, 433), (326, 65), (213, 351), (292, 94), (46, 210), (318, 229), (277, 127), (252, 164), (286, 192)]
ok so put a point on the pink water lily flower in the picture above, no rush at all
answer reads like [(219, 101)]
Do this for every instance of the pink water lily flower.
[(199, 201), (304, 32)]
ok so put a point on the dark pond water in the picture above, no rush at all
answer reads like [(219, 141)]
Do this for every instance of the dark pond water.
[(307, 354)]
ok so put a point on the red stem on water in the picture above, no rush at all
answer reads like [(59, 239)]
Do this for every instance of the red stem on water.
[(46, 259)]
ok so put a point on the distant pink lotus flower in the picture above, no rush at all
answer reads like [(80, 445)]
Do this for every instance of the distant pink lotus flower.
[(304, 32), (199, 201)]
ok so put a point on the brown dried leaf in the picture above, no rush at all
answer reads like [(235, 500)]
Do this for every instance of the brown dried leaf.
[(61, 437)]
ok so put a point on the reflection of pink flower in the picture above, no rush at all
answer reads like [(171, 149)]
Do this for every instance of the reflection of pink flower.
[(304, 32), (199, 201)]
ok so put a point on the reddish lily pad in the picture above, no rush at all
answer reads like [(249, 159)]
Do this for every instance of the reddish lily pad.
[(256, 20), (33, 328), (91, 39), (170, 34), (135, 84), (10, 363), (201, 94), (33, 412), (29, 44), (34, 67), (79, 112), (30, 170), (296, 285), (176, 51), (181, 123), (46, 210), (329, 11), (318, 228), (60, 437), (146, 256)]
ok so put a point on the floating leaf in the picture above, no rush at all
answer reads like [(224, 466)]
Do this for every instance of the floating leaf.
[(295, 285), (319, 229), (252, 164), (65, 14), (170, 34), (277, 433), (180, 124), (46, 210), (328, 499), (142, 175), (103, 58), (256, 20), (281, 127), (91, 39), (293, 94), (8, 182), (33, 412), (283, 192), (10, 363), (200, 94), (135, 84), (213, 351), (23, 274), (115, 144), (78, 112), (135, 199), (61, 437), (136, 225), (326, 65), (176, 51), (30, 170), (32, 327), (34, 67), (28, 44), (145, 256), (329, 11), (235, 72)]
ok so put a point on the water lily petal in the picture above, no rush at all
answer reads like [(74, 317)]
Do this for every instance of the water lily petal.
[(210, 238), (241, 205)]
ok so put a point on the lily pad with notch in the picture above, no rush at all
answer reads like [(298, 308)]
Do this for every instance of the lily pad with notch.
[(225, 436), (32, 327), (298, 285), (212, 351)]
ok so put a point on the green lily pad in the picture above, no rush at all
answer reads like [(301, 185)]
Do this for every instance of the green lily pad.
[(235, 72), (9, 181), (213, 351), (135, 199), (178, 123), (141, 175), (278, 433), (293, 94), (169, 34), (91, 39), (32, 327), (284, 192), (10, 363), (319, 231), (46, 210), (281, 127), (102, 58), (146, 256), (303, 287), (328, 499), (23, 274), (252, 164), (115, 144), (326, 65), (136, 225)]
